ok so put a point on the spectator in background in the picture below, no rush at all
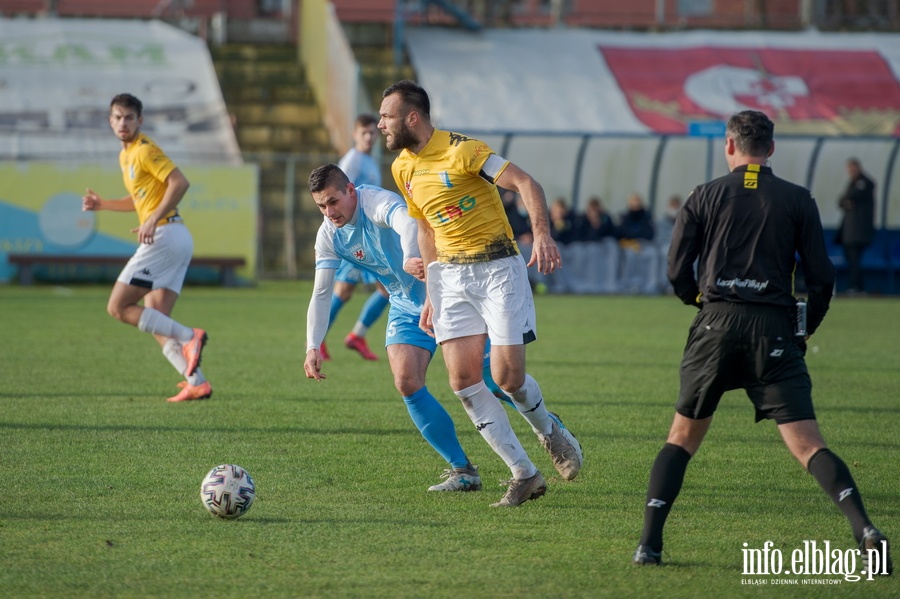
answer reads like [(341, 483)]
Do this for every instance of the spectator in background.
[(858, 226), (595, 224), (636, 224), (562, 223), (517, 214), (666, 223), (640, 258), (663, 237)]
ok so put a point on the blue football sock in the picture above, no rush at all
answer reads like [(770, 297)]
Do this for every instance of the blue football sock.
[(489, 380), (336, 304), (436, 426), (373, 309)]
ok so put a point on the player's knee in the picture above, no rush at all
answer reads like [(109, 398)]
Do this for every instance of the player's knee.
[(344, 291), (407, 384), (115, 310), (510, 382), (464, 381)]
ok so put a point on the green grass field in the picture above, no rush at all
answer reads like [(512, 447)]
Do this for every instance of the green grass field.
[(102, 475)]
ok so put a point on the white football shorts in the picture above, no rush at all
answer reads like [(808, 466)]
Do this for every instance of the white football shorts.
[(163, 263), (491, 297)]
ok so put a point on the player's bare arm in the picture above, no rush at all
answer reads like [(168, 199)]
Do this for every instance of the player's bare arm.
[(408, 229), (90, 201), (176, 186), (415, 267), (544, 252)]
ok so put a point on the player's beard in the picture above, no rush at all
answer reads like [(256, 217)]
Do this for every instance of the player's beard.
[(130, 137), (402, 139)]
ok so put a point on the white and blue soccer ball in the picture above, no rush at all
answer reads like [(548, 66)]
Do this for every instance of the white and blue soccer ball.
[(228, 491)]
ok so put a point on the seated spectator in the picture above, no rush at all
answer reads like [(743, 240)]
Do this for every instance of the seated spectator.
[(666, 222), (519, 221), (595, 223), (636, 225), (664, 227), (562, 225), (640, 259)]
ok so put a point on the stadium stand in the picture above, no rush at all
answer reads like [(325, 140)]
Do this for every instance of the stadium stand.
[(66, 265), (608, 150)]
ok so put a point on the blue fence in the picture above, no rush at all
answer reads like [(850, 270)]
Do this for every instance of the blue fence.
[(577, 167)]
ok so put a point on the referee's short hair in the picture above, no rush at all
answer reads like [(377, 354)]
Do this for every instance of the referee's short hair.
[(752, 132)]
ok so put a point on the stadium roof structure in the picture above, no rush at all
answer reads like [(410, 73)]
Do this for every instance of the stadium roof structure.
[(57, 77), (596, 82)]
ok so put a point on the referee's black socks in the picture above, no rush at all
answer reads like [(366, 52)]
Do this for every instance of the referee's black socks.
[(666, 478), (834, 477)]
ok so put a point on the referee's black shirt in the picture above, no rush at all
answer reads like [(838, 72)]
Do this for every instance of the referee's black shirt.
[(746, 229)]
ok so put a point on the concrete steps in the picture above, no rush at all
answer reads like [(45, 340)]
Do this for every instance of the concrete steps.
[(279, 127)]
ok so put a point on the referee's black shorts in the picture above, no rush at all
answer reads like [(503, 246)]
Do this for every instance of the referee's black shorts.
[(750, 347)]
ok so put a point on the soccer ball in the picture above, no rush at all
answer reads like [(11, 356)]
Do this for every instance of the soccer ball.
[(227, 491)]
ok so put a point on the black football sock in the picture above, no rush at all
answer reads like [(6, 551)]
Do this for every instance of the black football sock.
[(666, 478), (834, 477)]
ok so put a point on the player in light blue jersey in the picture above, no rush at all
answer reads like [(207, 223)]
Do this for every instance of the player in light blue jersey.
[(369, 227), (362, 169)]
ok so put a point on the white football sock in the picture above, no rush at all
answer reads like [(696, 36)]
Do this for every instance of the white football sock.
[(492, 423), (154, 321), (359, 329), (530, 402), (172, 351)]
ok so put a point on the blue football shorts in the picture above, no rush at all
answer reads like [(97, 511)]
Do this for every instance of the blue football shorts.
[(403, 327), (348, 273)]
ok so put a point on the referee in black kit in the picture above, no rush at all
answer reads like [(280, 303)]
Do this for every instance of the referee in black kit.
[(745, 228)]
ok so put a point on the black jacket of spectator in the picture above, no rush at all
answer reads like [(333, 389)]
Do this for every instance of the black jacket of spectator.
[(585, 230), (636, 224), (858, 204)]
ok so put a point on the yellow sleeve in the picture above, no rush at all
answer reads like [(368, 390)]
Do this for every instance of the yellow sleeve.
[(154, 161), (411, 207)]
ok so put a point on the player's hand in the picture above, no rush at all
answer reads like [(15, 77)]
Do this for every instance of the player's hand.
[(425, 322), (546, 254), (313, 365), (415, 267), (146, 232), (90, 201)]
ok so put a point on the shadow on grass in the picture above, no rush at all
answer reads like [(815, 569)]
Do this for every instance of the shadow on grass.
[(204, 429), (346, 521), (245, 521)]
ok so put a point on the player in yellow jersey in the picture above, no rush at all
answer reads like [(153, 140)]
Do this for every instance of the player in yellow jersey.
[(476, 279), (155, 274)]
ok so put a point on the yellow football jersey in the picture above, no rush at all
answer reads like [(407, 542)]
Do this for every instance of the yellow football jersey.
[(145, 168), (442, 184)]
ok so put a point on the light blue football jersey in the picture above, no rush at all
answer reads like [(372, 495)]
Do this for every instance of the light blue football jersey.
[(370, 243), (360, 168)]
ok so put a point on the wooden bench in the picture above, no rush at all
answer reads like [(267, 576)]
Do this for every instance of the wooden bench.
[(25, 262)]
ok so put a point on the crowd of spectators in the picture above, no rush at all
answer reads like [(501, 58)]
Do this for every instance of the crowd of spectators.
[(630, 248)]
